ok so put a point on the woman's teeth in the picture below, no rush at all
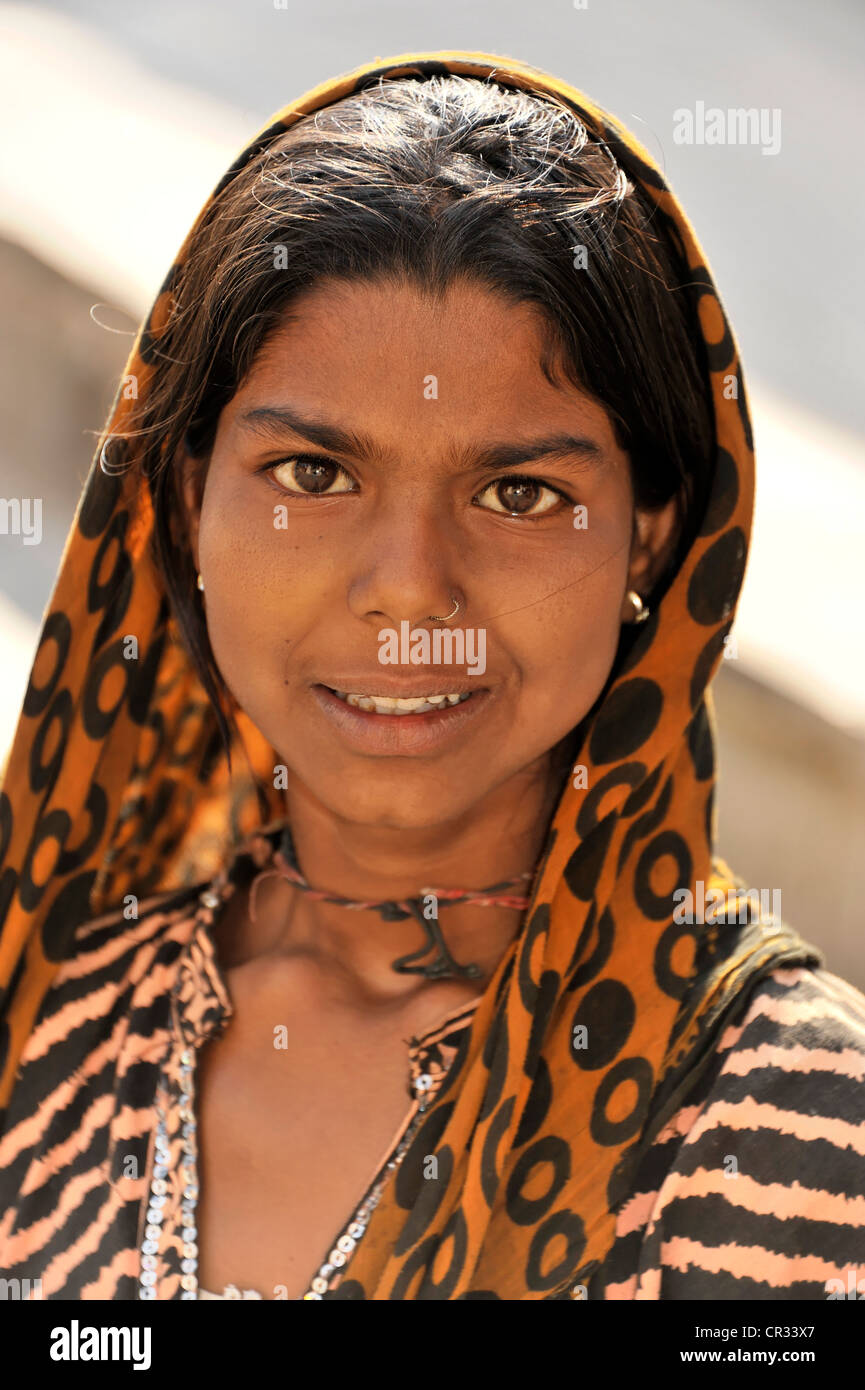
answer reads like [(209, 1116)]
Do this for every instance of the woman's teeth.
[(384, 704)]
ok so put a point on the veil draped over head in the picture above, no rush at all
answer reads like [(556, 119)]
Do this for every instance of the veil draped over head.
[(116, 783)]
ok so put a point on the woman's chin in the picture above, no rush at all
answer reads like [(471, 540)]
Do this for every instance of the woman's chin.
[(398, 808)]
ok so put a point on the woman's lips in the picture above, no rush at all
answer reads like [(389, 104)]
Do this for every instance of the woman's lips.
[(371, 732)]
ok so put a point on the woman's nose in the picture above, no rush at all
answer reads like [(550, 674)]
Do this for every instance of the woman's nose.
[(407, 569)]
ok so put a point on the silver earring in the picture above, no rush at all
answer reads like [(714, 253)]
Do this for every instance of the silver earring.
[(431, 619), (641, 610), (199, 581)]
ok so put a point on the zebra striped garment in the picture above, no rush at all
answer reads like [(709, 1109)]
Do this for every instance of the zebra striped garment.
[(755, 1189)]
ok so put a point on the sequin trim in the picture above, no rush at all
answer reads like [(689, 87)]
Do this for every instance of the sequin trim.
[(176, 1116), (329, 1274)]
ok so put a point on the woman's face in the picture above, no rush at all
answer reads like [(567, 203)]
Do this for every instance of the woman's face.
[(380, 464)]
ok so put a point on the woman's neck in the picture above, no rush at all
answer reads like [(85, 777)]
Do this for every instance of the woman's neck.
[(492, 843)]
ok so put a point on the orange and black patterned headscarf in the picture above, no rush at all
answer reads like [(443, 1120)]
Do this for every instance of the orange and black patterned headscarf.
[(111, 788)]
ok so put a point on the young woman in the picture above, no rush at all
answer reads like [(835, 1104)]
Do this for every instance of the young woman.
[(363, 936)]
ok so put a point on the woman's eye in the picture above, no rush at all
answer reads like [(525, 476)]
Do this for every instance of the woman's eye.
[(521, 497), (308, 474)]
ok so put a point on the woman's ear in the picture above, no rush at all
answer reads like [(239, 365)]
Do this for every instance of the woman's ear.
[(656, 531)]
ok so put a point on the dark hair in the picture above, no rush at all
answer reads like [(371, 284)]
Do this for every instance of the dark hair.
[(433, 181)]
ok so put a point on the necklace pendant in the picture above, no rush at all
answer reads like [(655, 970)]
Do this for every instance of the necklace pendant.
[(442, 966)]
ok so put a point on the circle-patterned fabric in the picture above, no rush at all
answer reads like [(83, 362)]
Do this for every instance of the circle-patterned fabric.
[(111, 787)]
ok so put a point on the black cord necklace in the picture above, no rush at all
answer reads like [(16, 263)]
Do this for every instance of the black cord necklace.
[(423, 907)]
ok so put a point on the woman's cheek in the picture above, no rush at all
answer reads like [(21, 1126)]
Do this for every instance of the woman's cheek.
[(572, 663), (242, 569)]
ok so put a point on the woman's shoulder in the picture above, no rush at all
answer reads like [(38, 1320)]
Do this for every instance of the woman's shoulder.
[(113, 947), (799, 1022), (80, 1108), (107, 1009), (96, 997), (756, 1187), (793, 1065)]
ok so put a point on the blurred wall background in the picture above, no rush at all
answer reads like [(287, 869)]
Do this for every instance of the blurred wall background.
[(118, 120)]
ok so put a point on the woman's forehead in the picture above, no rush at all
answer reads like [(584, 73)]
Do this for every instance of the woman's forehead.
[(361, 349)]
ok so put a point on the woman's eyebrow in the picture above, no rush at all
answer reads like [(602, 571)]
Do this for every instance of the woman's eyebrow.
[(572, 452), (274, 422)]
